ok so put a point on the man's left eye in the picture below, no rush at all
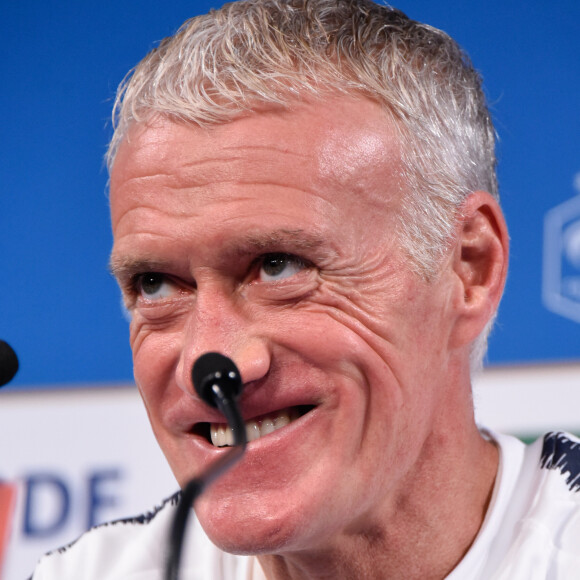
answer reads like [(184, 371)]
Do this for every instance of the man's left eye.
[(279, 266)]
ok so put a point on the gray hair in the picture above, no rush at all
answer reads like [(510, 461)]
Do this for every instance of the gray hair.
[(224, 64)]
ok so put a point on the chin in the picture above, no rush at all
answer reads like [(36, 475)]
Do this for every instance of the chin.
[(239, 527)]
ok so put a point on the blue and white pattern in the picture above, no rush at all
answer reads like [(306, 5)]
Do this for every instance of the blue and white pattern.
[(562, 453)]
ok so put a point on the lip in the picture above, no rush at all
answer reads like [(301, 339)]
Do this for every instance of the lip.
[(274, 440), (191, 418), (266, 463), (273, 456), (190, 453), (273, 445), (263, 454)]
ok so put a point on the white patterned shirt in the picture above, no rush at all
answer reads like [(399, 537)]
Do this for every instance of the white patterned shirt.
[(531, 530)]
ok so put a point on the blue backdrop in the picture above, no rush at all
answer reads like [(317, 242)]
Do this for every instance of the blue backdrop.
[(61, 62)]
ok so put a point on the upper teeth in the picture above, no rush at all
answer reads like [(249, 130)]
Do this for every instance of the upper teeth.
[(222, 435)]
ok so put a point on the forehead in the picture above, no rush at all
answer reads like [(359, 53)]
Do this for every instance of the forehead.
[(331, 162), (332, 136)]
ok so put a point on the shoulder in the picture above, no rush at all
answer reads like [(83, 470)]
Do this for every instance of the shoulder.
[(547, 533), (136, 548), (114, 549), (533, 528)]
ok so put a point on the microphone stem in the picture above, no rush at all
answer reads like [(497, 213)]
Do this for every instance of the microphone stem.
[(228, 406)]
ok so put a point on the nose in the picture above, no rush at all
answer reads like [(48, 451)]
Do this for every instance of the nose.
[(217, 324)]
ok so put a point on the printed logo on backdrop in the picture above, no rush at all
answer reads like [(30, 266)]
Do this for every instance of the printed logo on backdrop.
[(561, 276)]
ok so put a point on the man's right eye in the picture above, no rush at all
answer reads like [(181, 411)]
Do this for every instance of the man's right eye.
[(154, 286)]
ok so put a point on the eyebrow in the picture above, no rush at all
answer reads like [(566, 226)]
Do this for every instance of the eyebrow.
[(284, 240), (125, 267), (294, 240)]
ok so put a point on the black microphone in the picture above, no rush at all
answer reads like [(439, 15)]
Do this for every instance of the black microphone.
[(212, 374), (218, 383), (8, 363)]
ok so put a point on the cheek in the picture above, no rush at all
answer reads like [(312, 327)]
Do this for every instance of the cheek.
[(389, 351), (358, 370), (155, 356), (154, 362)]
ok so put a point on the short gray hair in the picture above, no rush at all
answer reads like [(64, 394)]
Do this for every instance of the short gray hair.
[(224, 64)]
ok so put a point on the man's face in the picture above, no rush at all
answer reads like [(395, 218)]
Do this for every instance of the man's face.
[(272, 239)]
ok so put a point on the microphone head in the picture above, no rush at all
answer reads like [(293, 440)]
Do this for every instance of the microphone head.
[(8, 363), (214, 368)]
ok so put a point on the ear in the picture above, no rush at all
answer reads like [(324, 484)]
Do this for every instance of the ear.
[(480, 264)]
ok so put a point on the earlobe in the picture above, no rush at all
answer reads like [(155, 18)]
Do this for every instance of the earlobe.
[(480, 262)]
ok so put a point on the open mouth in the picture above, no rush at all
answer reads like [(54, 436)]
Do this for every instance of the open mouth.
[(220, 435)]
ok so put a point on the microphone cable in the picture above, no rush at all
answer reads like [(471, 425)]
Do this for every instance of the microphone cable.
[(218, 382)]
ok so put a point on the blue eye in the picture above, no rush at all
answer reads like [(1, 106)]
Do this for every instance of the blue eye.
[(154, 286), (280, 266)]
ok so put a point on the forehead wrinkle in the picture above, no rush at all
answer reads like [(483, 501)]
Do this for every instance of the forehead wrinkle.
[(221, 154), (239, 168), (267, 148)]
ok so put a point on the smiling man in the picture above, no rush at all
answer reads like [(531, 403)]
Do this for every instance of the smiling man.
[(308, 187)]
